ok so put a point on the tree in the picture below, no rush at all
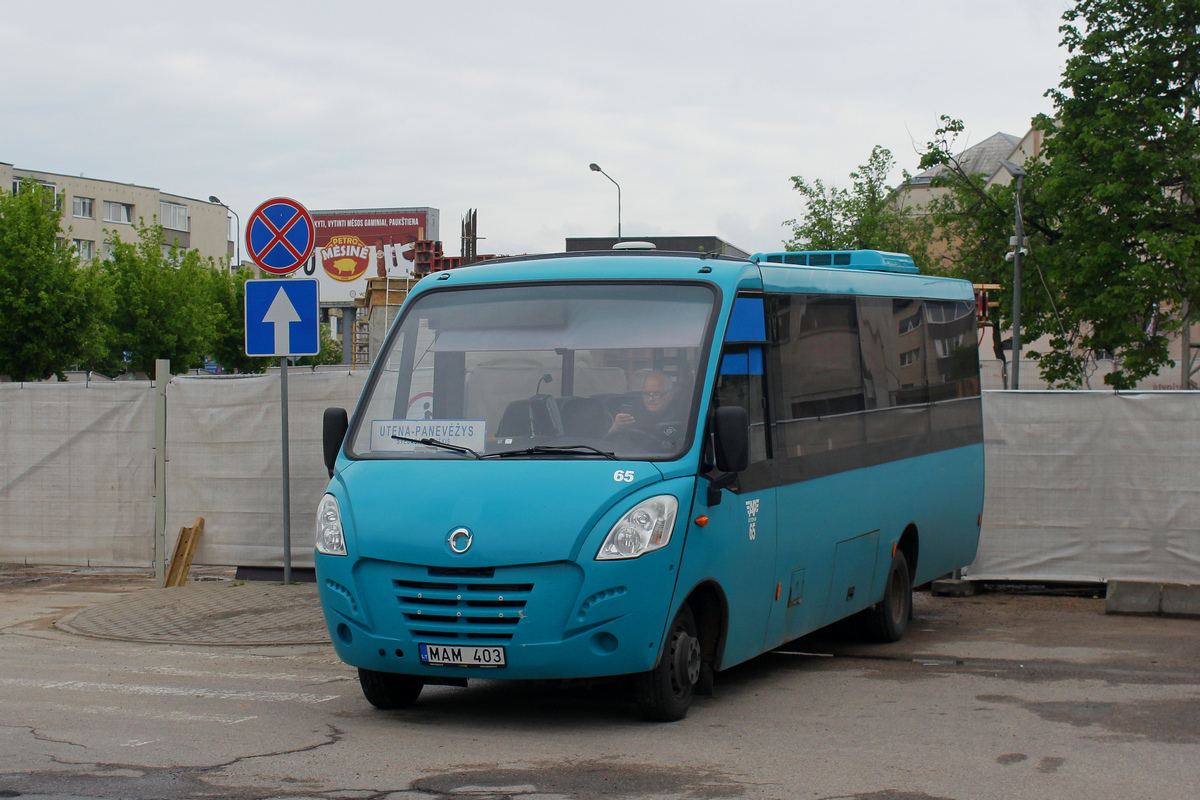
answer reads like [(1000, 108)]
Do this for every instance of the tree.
[(1112, 211), (867, 217), (1123, 174), (1117, 214), (331, 351), (973, 222), (53, 306), (229, 339), (165, 307)]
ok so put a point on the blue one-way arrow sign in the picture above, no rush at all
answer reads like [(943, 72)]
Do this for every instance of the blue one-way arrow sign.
[(282, 318)]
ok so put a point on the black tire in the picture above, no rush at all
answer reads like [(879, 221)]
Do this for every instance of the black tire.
[(886, 620), (387, 690), (665, 693)]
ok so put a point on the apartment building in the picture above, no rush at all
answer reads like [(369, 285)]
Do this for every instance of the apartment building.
[(92, 208)]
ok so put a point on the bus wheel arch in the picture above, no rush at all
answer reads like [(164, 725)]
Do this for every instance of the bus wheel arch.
[(710, 609), (688, 657), (664, 694), (887, 620), (910, 545)]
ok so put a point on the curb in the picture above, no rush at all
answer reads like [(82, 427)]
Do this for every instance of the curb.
[(1140, 597)]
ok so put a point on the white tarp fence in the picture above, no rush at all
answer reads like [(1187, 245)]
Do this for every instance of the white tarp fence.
[(1081, 486), (77, 473), (1091, 486), (225, 462)]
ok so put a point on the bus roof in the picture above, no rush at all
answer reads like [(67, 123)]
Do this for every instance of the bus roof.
[(853, 272)]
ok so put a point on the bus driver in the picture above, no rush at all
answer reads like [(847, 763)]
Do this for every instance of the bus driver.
[(657, 397)]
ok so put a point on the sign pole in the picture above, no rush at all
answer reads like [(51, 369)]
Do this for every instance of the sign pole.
[(279, 238), (287, 500)]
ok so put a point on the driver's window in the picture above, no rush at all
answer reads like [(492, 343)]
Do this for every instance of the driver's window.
[(740, 381)]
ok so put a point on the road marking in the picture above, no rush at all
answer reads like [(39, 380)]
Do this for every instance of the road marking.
[(171, 691)]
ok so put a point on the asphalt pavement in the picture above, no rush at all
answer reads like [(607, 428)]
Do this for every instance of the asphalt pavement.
[(214, 608), (1020, 695)]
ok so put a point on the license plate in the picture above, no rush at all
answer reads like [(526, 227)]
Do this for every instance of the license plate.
[(456, 655)]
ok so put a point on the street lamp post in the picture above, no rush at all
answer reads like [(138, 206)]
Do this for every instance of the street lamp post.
[(596, 168), (237, 228), (1018, 245)]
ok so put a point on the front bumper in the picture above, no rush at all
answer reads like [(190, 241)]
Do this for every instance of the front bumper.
[(555, 620)]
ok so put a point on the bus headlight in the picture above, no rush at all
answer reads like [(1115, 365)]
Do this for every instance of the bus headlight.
[(330, 539), (647, 526)]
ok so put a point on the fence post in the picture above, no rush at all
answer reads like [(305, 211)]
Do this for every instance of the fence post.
[(162, 376)]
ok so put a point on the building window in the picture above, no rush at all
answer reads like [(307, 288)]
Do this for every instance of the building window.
[(118, 212), (946, 347), (50, 187), (910, 358), (86, 248), (19, 183), (949, 311), (173, 215), (82, 207)]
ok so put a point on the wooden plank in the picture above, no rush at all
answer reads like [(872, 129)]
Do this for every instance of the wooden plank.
[(185, 551)]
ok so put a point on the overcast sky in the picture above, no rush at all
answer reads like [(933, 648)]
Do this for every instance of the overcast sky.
[(700, 110)]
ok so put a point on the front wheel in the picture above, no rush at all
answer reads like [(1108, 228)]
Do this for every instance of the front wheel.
[(387, 690), (665, 693), (886, 620)]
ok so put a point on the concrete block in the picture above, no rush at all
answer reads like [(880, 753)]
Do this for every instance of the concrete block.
[(953, 588), (1181, 598), (1133, 597)]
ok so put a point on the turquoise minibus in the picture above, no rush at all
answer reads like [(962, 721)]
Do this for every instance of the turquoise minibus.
[(648, 464)]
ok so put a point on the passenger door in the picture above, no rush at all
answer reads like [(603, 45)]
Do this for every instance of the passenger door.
[(737, 546)]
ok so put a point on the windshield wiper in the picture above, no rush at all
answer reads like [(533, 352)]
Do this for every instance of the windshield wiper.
[(457, 448), (551, 450)]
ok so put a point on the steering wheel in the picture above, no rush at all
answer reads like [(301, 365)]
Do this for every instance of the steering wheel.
[(636, 437)]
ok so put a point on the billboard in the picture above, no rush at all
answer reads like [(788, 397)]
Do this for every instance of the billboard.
[(353, 245)]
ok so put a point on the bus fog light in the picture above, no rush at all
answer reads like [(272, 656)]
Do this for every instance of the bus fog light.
[(603, 643), (330, 539), (645, 527)]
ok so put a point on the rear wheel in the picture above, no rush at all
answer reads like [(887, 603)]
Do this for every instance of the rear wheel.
[(665, 693), (387, 690), (886, 620)]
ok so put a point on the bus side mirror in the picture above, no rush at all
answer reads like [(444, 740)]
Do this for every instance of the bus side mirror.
[(333, 431), (731, 438)]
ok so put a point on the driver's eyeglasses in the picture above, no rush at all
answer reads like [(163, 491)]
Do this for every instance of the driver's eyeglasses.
[(654, 395)]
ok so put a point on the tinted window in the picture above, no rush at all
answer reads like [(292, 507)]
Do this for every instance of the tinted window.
[(857, 381)]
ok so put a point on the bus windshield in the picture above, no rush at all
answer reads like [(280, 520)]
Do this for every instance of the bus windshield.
[(567, 370)]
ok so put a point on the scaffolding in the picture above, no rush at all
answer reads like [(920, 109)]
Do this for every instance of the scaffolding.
[(360, 354)]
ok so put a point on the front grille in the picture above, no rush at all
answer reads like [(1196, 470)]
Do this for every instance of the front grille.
[(448, 610)]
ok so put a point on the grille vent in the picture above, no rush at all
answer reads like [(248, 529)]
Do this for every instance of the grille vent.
[(457, 607)]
